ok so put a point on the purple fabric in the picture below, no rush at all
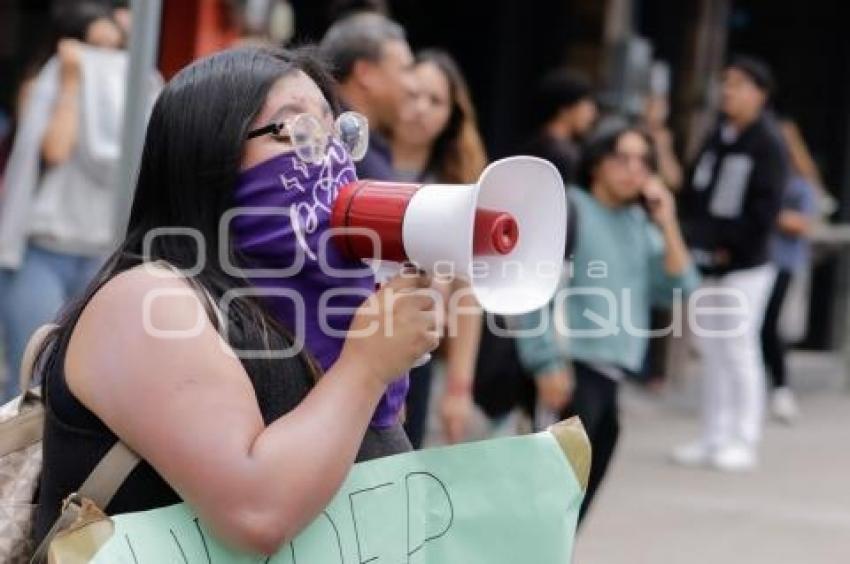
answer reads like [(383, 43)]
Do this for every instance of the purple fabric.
[(303, 195)]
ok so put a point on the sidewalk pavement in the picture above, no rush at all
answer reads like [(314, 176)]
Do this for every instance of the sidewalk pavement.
[(795, 509)]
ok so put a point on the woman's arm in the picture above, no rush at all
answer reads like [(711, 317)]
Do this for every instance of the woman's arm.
[(186, 405), (671, 268), (668, 165), (794, 223), (461, 354), (662, 210), (60, 137)]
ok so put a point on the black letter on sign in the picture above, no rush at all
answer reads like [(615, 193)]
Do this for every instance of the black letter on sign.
[(336, 533), (203, 540), (430, 477), (354, 520), (130, 546), (336, 536), (177, 542)]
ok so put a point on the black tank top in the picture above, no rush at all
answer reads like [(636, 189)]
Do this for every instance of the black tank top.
[(75, 439)]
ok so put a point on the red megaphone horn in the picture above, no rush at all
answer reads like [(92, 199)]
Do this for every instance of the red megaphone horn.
[(368, 206)]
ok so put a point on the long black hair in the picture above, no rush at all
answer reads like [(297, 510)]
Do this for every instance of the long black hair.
[(190, 165)]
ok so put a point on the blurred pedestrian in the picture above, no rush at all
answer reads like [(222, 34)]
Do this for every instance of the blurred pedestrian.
[(566, 110), (629, 251), (56, 221), (437, 141), (654, 120), (123, 16), (656, 111), (370, 58), (790, 252), (730, 206)]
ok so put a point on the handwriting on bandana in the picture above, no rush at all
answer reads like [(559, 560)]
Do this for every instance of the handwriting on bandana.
[(313, 211)]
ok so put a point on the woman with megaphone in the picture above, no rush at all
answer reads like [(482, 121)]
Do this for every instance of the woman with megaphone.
[(175, 349)]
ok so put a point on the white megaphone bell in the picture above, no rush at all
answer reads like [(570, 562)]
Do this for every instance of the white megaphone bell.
[(505, 234)]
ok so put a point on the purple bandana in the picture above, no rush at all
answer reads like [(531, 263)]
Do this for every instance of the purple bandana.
[(289, 238)]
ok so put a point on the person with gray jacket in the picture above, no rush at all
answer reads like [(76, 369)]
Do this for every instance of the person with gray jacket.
[(57, 209)]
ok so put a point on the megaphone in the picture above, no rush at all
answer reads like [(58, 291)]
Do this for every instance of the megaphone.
[(505, 234)]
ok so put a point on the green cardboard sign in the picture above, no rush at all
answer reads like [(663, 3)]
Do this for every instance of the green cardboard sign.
[(502, 501)]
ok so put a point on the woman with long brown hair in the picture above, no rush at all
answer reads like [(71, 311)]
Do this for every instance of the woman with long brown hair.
[(438, 141), (438, 136)]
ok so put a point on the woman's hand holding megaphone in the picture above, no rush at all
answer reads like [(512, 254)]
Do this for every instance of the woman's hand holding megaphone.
[(395, 327)]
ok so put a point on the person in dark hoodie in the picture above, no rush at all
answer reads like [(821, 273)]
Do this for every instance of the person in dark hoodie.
[(566, 111), (729, 208)]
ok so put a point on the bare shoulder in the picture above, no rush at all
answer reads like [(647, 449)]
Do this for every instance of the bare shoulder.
[(145, 300), (140, 319)]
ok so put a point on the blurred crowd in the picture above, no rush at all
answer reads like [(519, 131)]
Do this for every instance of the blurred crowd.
[(644, 225)]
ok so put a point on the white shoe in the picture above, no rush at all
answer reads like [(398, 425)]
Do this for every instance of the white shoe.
[(736, 457), (784, 406), (692, 455)]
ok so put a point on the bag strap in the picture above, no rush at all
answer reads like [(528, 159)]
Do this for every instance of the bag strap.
[(106, 478), (109, 474), (26, 428), (22, 430), (29, 394), (100, 487)]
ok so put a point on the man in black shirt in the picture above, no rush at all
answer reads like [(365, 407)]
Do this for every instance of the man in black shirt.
[(729, 208), (566, 111)]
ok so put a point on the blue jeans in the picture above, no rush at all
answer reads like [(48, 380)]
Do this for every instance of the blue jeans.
[(33, 295)]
